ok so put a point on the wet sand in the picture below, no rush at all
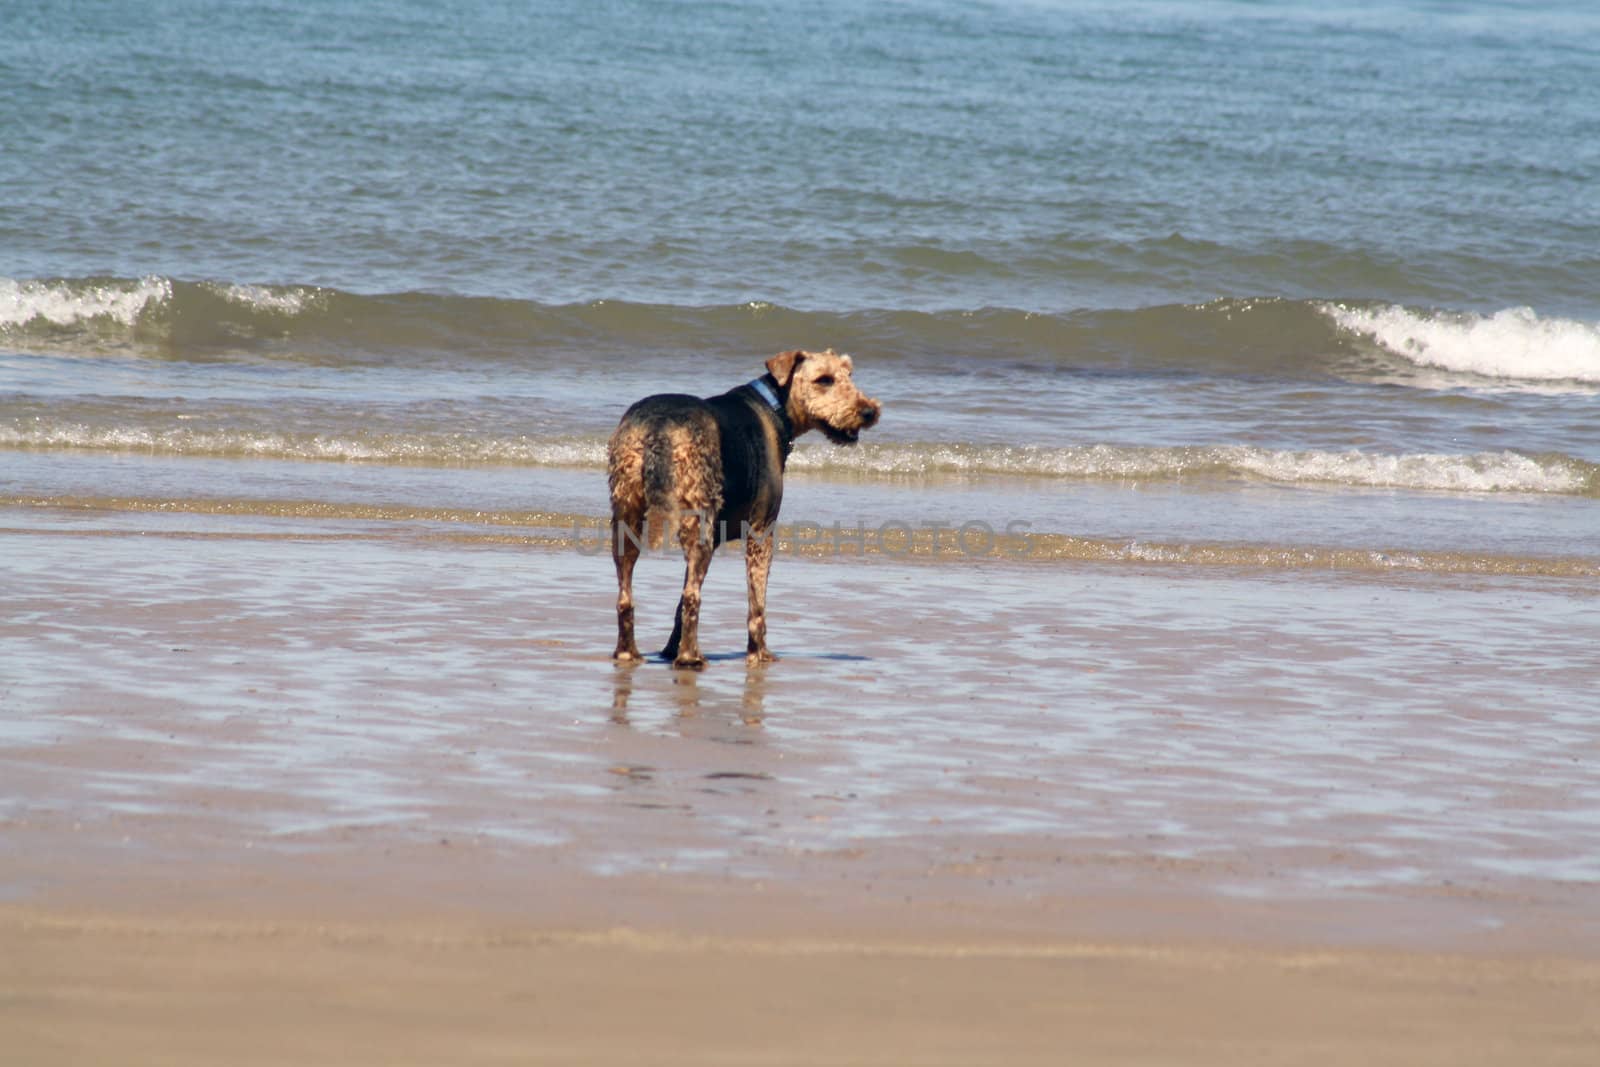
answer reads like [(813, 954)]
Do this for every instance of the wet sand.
[(275, 789)]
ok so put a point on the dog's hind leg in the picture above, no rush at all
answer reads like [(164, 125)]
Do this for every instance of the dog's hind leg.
[(626, 542), (758, 543), (629, 509), (697, 548), (670, 650)]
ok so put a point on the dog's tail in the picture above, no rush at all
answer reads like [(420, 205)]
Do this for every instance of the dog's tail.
[(661, 511), (665, 479)]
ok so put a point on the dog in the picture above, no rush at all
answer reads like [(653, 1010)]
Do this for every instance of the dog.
[(711, 470)]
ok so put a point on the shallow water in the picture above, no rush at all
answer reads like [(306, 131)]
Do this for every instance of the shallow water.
[(245, 684)]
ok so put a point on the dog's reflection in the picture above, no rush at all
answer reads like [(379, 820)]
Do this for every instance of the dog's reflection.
[(685, 693)]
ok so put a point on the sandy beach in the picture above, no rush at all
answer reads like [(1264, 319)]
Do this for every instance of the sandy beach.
[(190, 991), (352, 793)]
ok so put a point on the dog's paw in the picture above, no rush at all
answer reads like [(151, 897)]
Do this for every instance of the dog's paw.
[(759, 657), (690, 663)]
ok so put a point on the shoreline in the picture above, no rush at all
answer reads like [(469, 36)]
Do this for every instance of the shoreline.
[(960, 892), (965, 537)]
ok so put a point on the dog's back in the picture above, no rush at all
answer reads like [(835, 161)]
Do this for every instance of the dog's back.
[(665, 462)]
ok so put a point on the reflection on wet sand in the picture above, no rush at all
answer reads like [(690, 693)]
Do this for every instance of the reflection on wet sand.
[(1422, 749), (683, 690)]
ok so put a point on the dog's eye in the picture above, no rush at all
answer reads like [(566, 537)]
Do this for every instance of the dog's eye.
[(824, 380)]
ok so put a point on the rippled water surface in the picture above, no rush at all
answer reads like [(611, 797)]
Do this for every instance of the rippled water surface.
[(1294, 736)]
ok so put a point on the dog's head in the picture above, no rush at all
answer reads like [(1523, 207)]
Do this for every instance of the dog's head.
[(821, 396)]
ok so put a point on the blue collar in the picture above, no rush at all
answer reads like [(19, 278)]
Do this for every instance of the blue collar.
[(762, 387), (765, 391)]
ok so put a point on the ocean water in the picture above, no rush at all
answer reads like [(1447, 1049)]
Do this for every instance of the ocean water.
[(1302, 276)]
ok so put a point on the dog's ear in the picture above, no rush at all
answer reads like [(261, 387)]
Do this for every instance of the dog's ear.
[(782, 365)]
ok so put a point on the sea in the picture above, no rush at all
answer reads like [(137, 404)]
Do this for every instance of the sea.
[(1269, 290), (1292, 276)]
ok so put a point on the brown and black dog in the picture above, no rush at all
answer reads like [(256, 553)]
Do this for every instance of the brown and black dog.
[(712, 470)]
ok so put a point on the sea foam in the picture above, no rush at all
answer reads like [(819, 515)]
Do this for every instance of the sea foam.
[(1483, 472), (444, 450), (23, 303), (278, 301), (1512, 344)]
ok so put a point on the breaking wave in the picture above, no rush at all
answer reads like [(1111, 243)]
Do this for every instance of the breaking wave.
[(170, 319), (48, 304), (1515, 344)]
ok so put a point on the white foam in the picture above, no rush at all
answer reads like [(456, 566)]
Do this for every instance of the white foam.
[(426, 449), (260, 298), (1512, 344), (23, 303), (1483, 472)]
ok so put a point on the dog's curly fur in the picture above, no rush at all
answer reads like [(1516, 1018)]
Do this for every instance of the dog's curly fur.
[(702, 471)]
